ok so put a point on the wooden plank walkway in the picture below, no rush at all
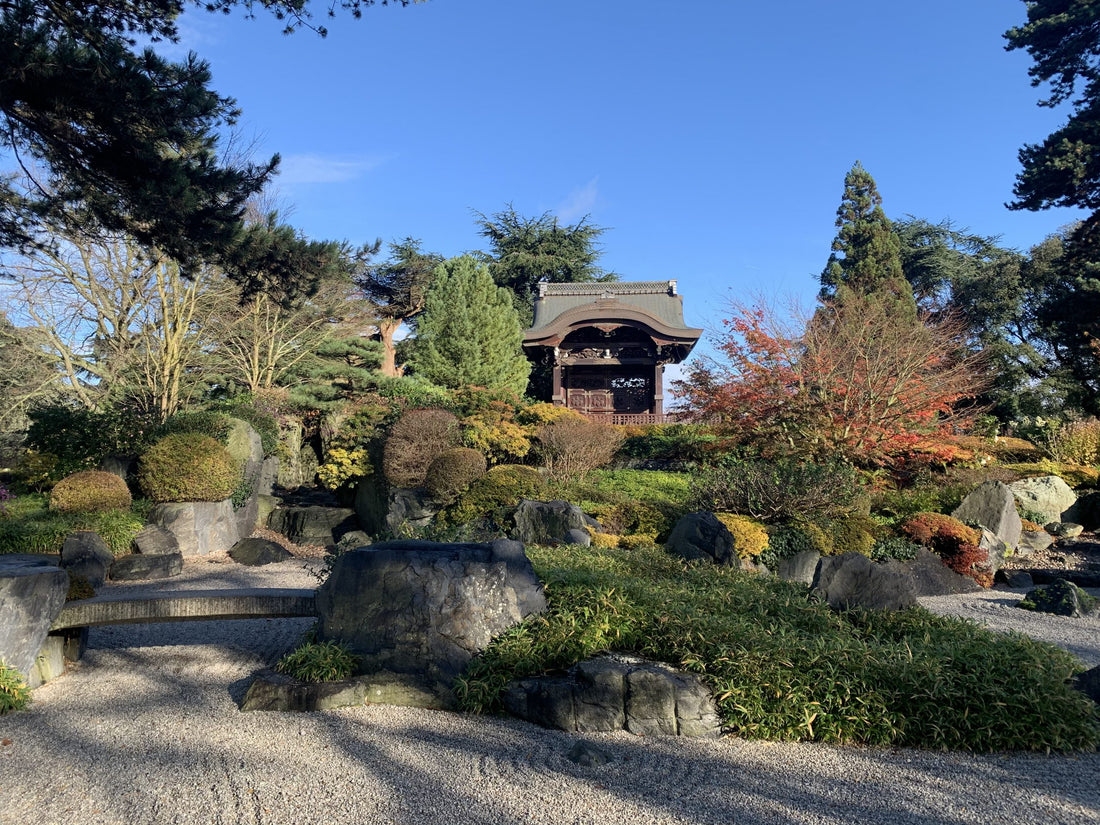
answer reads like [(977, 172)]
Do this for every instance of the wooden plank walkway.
[(186, 605)]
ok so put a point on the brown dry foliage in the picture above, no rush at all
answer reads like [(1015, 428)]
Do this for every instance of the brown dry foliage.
[(415, 441), (571, 448)]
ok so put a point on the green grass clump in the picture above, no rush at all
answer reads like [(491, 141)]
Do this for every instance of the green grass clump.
[(783, 667), (314, 661), (14, 693), (32, 527)]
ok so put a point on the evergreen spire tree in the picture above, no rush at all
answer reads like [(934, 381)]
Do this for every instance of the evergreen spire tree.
[(866, 257), (469, 333)]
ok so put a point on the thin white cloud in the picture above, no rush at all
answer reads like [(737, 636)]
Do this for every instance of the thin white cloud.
[(296, 169), (580, 202)]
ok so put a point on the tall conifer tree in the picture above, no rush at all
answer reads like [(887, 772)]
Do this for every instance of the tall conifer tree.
[(866, 257), (469, 333)]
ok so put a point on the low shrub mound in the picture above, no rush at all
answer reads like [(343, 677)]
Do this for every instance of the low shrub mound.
[(90, 491), (453, 471), (414, 442), (188, 466), (502, 486), (776, 491), (314, 661), (572, 447), (783, 667)]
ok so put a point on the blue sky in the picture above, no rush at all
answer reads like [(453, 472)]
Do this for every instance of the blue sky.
[(710, 138)]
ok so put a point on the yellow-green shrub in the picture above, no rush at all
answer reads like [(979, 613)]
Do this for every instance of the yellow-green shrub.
[(453, 471), (638, 541), (342, 465), (852, 533), (750, 537), (90, 491), (605, 540), (188, 467), (502, 486), (1077, 442)]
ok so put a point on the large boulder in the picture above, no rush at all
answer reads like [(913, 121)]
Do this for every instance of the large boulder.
[(1048, 495), (702, 536), (546, 522), (32, 593), (616, 692), (200, 527), (422, 610), (992, 505), (996, 549), (931, 577), (85, 553), (410, 509), (314, 525), (798, 568), (852, 580)]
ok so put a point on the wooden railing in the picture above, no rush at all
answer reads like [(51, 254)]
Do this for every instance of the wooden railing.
[(626, 419)]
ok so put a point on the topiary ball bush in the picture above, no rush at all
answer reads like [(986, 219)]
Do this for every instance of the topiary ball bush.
[(452, 472), (90, 491), (188, 467)]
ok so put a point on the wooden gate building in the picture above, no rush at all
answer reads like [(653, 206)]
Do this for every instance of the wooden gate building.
[(608, 344)]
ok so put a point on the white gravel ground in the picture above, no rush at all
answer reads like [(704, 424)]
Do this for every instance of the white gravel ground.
[(146, 730)]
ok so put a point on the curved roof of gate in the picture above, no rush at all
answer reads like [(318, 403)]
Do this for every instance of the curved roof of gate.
[(655, 303)]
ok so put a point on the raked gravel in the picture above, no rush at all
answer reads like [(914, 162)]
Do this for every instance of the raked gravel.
[(146, 730)]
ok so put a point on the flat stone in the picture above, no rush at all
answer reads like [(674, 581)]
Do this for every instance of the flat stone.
[(139, 567), (313, 525), (152, 540), (1033, 541), (271, 690), (931, 577), (257, 552), (588, 755)]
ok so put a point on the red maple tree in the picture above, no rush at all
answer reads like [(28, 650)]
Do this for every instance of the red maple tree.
[(859, 381)]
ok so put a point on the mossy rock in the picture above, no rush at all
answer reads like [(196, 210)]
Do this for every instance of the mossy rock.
[(1062, 598)]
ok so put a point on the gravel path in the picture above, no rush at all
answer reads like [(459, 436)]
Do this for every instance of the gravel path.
[(146, 730)]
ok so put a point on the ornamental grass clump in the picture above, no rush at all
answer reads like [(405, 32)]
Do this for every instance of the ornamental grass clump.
[(314, 661), (783, 667), (90, 491), (188, 466)]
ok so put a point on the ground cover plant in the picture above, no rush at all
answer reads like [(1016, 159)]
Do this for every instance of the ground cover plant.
[(784, 667)]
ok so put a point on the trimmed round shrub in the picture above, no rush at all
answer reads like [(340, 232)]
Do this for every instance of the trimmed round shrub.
[(605, 541), (935, 530), (453, 471), (417, 438), (750, 538), (637, 541), (502, 486), (90, 491), (188, 467)]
